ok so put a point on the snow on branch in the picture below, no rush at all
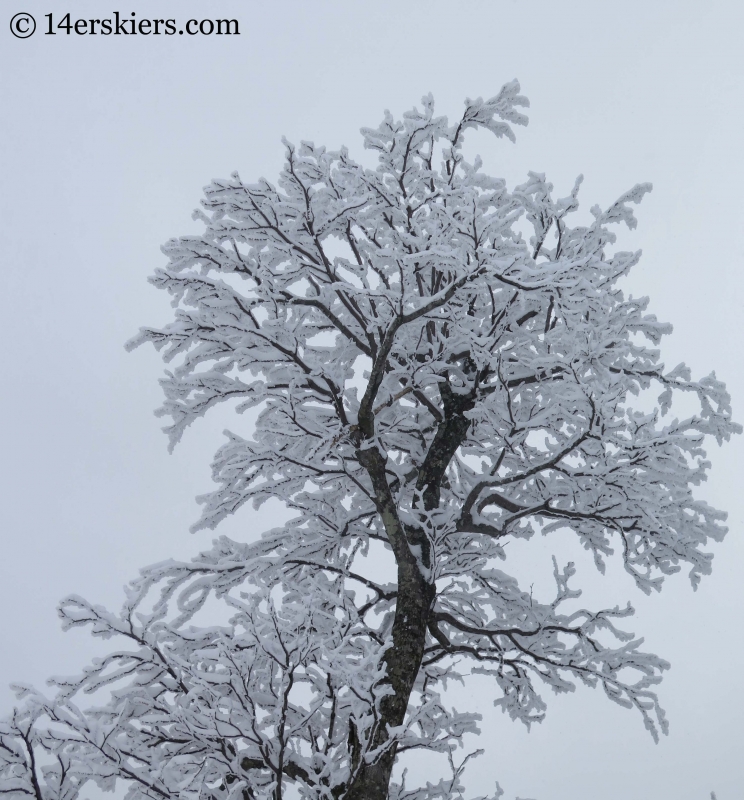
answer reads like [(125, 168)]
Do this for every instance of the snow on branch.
[(429, 385)]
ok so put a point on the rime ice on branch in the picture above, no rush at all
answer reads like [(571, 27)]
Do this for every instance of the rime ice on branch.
[(430, 383)]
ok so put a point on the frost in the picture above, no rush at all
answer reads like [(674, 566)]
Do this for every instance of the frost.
[(427, 381)]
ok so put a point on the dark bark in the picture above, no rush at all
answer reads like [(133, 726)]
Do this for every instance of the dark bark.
[(403, 661), (416, 590), (449, 436)]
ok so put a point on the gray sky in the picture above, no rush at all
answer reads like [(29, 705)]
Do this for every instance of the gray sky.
[(106, 143)]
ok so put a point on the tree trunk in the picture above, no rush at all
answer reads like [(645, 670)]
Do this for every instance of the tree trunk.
[(416, 592), (403, 661)]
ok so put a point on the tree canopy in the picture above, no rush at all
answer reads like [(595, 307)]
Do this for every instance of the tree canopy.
[(439, 365)]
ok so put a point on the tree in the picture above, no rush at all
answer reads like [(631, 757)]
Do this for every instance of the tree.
[(429, 385)]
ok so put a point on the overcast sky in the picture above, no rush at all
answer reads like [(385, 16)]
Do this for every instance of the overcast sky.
[(106, 143)]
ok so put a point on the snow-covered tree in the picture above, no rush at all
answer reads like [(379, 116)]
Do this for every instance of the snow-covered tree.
[(439, 365)]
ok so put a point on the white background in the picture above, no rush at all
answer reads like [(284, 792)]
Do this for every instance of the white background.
[(105, 145)]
